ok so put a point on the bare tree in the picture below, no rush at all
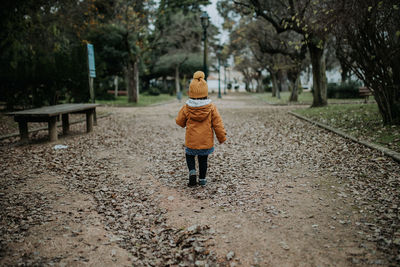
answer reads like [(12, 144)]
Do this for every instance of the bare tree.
[(368, 38), (288, 44), (308, 18), (131, 16)]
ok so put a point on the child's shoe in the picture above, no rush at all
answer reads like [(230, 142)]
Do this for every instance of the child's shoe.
[(192, 178), (202, 182)]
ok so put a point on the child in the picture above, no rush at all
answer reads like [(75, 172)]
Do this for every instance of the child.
[(201, 119)]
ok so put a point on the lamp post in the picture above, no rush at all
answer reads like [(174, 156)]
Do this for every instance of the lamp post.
[(219, 77), (218, 52), (225, 85), (205, 23)]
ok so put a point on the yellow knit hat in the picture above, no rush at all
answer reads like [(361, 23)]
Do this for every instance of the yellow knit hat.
[(198, 86)]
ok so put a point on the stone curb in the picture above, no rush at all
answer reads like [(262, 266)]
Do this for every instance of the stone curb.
[(2, 137), (287, 104), (388, 152), (309, 104)]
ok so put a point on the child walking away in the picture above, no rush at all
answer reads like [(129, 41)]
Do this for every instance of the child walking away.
[(201, 119)]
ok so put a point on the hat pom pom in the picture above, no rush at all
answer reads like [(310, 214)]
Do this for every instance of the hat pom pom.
[(198, 75)]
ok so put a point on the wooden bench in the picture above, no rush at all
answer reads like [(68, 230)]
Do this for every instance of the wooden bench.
[(51, 114), (365, 92), (120, 92)]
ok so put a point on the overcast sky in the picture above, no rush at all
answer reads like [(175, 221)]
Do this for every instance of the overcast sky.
[(216, 19)]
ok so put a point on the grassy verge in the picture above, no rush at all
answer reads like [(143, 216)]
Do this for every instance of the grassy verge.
[(144, 100), (304, 98), (362, 121)]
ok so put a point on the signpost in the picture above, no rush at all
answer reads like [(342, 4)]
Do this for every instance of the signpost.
[(92, 74), (92, 70)]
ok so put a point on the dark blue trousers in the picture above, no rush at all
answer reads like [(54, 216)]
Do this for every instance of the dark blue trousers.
[(191, 163)]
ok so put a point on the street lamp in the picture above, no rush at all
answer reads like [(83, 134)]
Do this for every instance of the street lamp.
[(225, 85), (205, 23), (219, 67), (219, 77)]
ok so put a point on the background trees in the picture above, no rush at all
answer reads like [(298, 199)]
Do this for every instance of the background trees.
[(362, 35), (307, 18), (38, 52), (43, 46), (177, 40), (368, 41), (141, 41), (181, 41)]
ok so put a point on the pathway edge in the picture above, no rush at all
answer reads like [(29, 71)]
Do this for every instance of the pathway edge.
[(388, 152)]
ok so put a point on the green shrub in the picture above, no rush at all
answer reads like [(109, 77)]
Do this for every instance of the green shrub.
[(154, 91), (331, 89), (267, 88), (344, 90)]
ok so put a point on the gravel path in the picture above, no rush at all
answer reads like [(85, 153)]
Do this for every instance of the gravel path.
[(281, 192)]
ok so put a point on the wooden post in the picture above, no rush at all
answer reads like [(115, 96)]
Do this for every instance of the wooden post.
[(91, 89), (23, 130), (91, 70), (53, 128), (89, 120), (65, 123)]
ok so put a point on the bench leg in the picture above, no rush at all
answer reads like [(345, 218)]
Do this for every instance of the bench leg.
[(53, 128), (65, 123), (23, 130), (89, 120)]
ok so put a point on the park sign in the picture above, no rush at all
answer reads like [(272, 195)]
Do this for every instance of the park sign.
[(92, 71), (92, 68)]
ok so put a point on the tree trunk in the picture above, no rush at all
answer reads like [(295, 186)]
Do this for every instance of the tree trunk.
[(136, 75), (294, 78), (177, 83), (345, 70), (387, 95), (395, 110), (131, 73), (389, 106), (283, 77), (274, 83), (129, 81), (319, 75), (344, 74), (259, 88), (282, 83)]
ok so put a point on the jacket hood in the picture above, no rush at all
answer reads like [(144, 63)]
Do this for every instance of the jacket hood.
[(199, 109), (198, 102)]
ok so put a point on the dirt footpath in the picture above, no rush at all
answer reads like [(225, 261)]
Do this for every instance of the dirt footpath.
[(280, 192)]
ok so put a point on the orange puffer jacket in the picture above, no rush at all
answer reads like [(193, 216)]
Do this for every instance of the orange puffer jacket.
[(201, 117)]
